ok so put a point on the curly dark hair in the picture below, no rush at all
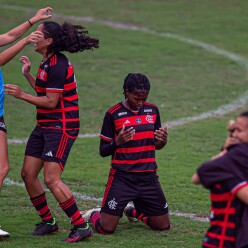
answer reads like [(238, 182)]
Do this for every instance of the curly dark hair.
[(68, 37), (136, 81)]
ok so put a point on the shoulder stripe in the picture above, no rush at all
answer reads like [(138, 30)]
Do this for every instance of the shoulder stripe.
[(53, 60), (114, 108), (150, 104)]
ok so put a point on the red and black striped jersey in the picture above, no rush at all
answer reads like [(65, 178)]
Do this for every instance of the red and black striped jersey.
[(224, 177), (225, 216), (56, 74), (137, 155)]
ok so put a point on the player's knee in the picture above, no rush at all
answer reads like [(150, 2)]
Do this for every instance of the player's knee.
[(23, 175), (165, 227), (161, 226), (51, 182), (105, 230)]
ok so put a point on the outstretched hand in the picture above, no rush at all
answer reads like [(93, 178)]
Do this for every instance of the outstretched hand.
[(43, 13), (26, 65), (125, 135), (13, 90)]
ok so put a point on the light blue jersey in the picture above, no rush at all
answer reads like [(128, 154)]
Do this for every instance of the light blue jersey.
[(1, 94)]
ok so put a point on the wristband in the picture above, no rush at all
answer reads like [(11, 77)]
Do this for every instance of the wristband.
[(30, 23)]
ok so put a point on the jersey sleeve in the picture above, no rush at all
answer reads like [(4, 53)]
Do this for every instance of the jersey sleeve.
[(226, 169), (108, 128), (56, 77), (234, 185), (215, 171)]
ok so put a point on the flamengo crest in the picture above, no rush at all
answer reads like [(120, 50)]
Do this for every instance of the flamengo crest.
[(149, 118)]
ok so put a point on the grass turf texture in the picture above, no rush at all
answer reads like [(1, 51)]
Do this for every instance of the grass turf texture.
[(185, 81)]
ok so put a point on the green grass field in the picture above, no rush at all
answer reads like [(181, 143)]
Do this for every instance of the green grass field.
[(194, 53)]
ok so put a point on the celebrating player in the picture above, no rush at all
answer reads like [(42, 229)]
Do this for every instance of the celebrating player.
[(57, 123), (131, 133), (227, 180), (5, 57)]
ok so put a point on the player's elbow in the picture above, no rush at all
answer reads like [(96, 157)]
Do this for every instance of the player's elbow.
[(195, 179), (102, 153)]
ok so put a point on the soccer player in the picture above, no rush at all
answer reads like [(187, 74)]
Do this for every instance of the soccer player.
[(227, 180), (5, 56), (131, 132), (230, 140), (57, 127)]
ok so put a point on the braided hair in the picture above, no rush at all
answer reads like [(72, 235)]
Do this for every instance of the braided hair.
[(68, 37), (136, 81)]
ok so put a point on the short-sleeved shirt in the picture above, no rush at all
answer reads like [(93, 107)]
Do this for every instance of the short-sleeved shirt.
[(137, 155), (224, 177), (56, 75), (1, 94)]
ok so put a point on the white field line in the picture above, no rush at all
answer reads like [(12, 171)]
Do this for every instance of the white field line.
[(80, 196)]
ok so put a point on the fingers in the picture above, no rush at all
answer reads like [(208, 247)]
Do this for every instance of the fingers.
[(166, 127), (44, 13), (9, 88), (123, 128), (24, 60), (35, 36), (129, 133), (162, 134), (48, 11)]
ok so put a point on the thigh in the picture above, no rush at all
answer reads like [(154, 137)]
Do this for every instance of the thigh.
[(119, 191), (31, 167), (52, 171), (151, 201)]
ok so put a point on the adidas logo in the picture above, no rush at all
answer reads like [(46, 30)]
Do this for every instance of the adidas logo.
[(49, 154), (126, 122)]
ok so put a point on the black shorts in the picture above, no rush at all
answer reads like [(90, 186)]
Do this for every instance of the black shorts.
[(143, 189), (2, 125), (49, 145)]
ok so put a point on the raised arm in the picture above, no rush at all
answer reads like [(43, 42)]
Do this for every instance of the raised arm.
[(12, 51), (17, 32)]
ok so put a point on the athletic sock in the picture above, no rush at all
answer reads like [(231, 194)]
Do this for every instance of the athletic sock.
[(131, 212), (71, 210), (95, 219), (41, 206)]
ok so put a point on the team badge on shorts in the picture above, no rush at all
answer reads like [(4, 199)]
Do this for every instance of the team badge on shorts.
[(112, 204)]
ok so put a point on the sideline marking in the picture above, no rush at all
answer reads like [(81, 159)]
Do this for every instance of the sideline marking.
[(80, 196)]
